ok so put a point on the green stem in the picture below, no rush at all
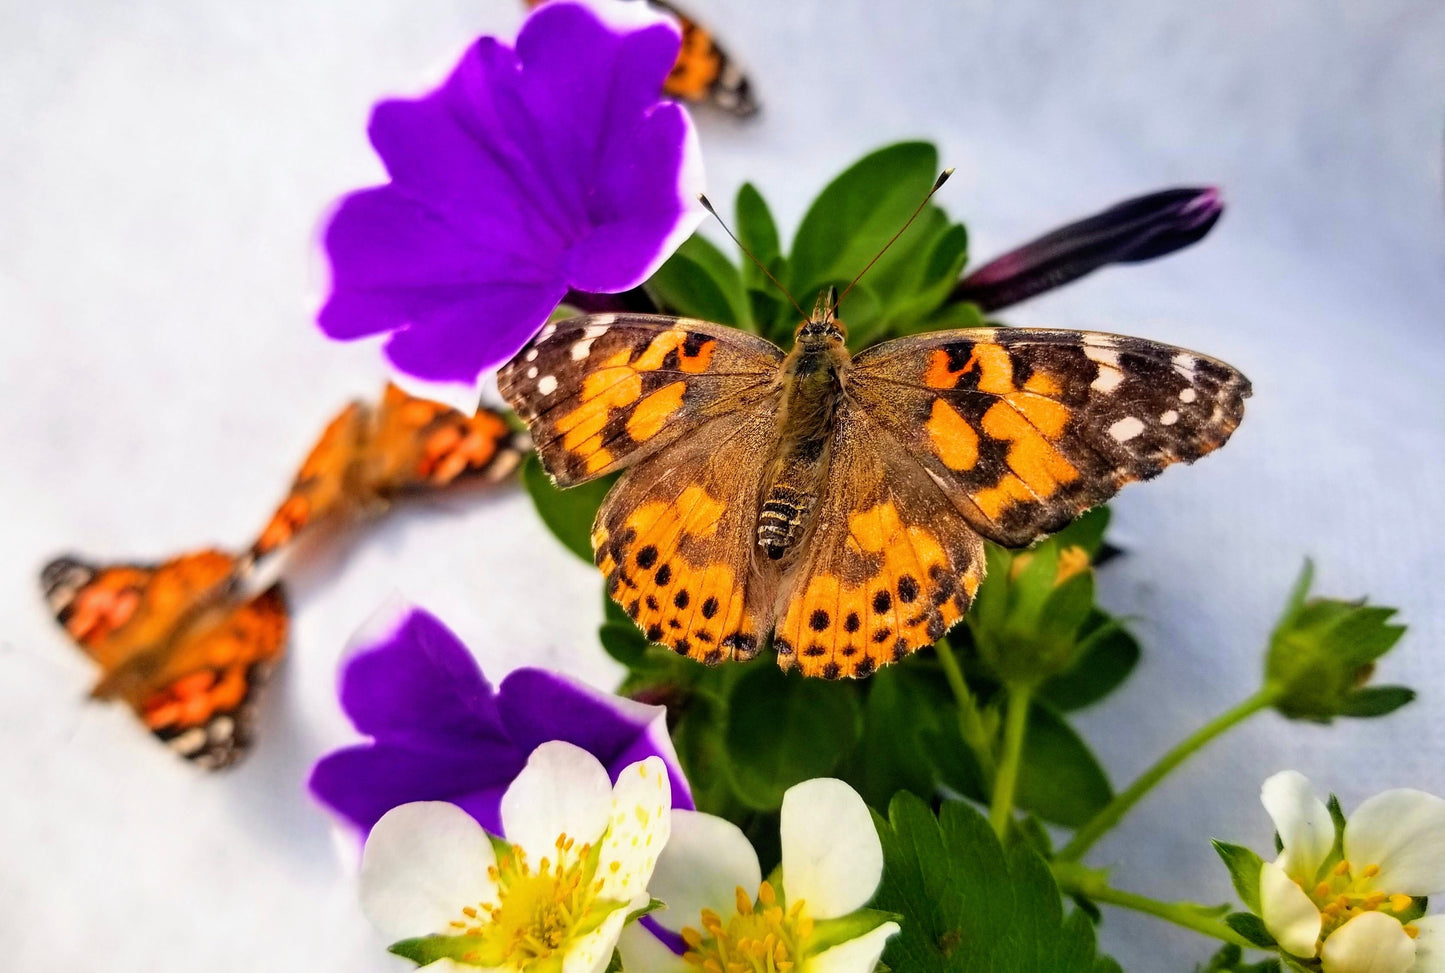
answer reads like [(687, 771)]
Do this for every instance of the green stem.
[(1110, 814), (970, 721), (1016, 722), (1073, 879)]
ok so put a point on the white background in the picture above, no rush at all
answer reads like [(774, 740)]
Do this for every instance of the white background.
[(164, 167)]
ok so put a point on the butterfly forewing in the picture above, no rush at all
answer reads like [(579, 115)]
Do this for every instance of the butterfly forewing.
[(890, 564), (675, 538), (604, 391), (1027, 428)]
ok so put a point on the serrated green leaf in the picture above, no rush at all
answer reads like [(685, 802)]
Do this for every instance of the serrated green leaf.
[(902, 711), (1251, 927), (969, 905), (1244, 868), (783, 729), (568, 513), (759, 233)]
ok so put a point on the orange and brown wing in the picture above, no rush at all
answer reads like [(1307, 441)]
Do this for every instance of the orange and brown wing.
[(422, 445), (890, 564), (325, 483), (604, 391), (117, 612), (204, 704), (675, 538), (1027, 428)]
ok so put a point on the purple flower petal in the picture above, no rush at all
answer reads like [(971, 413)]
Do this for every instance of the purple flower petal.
[(527, 172), (439, 731)]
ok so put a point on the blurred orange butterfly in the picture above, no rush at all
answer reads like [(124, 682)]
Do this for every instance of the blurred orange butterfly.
[(704, 72), (188, 642)]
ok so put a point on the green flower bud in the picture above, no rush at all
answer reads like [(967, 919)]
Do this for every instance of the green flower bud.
[(1322, 653)]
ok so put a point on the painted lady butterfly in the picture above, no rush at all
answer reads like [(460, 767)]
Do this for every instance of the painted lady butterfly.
[(187, 643), (837, 502)]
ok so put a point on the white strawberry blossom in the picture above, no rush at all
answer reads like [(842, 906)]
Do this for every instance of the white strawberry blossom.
[(552, 897), (1355, 912), (730, 919)]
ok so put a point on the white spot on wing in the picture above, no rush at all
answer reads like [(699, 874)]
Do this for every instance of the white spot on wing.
[(1185, 363), (189, 742), (1108, 379), (597, 330), (531, 354), (582, 349), (547, 385), (1126, 429), (1169, 418), (1187, 395), (547, 332), (532, 372)]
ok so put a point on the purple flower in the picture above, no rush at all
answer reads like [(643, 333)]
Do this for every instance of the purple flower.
[(439, 732), (1137, 229), (532, 170)]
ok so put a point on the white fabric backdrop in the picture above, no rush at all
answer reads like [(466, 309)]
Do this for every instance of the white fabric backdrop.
[(165, 166)]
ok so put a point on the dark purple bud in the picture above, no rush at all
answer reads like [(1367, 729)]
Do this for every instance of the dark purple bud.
[(634, 301), (1135, 230)]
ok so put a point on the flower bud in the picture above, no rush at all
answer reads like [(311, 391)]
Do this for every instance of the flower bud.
[(1323, 652), (1135, 230), (1028, 617)]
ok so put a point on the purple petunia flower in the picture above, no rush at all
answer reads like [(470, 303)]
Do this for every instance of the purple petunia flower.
[(441, 733), (531, 170)]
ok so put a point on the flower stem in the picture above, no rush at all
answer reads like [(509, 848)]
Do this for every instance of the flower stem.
[(1016, 722), (1110, 814), (1074, 879), (970, 721)]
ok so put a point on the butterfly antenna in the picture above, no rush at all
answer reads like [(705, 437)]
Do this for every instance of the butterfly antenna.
[(937, 184), (707, 205)]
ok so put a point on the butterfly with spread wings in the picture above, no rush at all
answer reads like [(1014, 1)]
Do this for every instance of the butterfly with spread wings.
[(188, 643), (838, 502)]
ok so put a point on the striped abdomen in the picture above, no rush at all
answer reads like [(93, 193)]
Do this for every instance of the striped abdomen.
[(780, 522)]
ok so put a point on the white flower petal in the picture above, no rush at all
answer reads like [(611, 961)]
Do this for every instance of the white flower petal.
[(1289, 915), (1303, 823), (637, 830), (562, 790), (855, 956), (1402, 831), (1371, 942), (641, 950), (705, 860), (832, 858), (1429, 945), (593, 952), (422, 863)]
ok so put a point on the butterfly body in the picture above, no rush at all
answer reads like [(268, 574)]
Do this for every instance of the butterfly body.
[(840, 503)]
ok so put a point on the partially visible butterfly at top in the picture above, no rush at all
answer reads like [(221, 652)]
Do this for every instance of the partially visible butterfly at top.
[(839, 503), (704, 73)]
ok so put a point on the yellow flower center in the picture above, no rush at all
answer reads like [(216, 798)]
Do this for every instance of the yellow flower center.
[(762, 939), (1341, 895), (539, 911)]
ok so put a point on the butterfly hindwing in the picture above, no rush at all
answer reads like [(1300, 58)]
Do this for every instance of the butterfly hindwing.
[(417, 445), (603, 391), (203, 706), (889, 566), (675, 538), (1027, 428)]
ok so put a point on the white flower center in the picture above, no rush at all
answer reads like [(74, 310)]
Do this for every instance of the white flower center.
[(540, 912), (1341, 895), (766, 939)]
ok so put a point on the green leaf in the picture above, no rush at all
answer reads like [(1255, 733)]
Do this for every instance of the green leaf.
[(568, 513), (699, 281), (758, 233), (783, 729), (623, 642), (903, 711), (1244, 866), (1108, 655), (1060, 779), (828, 933), (1086, 532), (1230, 959), (967, 904), (1251, 927)]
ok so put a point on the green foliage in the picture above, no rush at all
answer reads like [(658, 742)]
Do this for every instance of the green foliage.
[(906, 292), (1251, 927), (1244, 867), (568, 514), (970, 904), (1230, 959), (1322, 652)]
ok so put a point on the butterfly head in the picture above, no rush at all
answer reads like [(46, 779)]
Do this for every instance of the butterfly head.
[(822, 327)]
